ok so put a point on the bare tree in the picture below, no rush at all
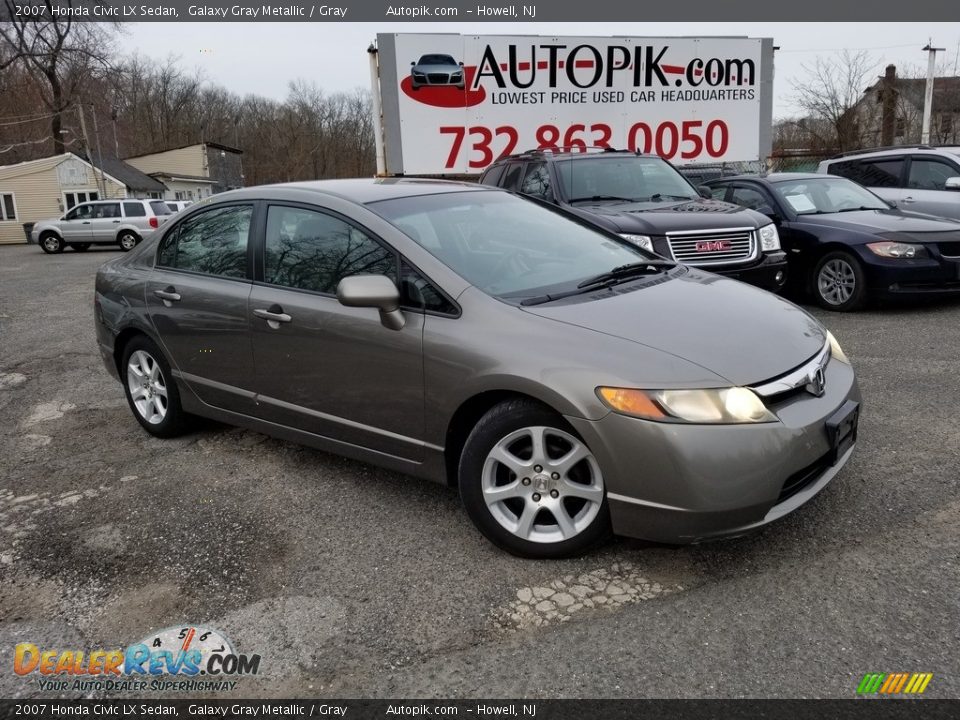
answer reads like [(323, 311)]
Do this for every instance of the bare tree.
[(60, 54), (830, 93)]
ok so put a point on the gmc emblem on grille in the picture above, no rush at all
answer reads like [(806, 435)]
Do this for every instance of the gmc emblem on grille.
[(712, 245)]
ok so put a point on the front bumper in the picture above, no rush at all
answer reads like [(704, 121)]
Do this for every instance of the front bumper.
[(902, 276), (769, 272), (679, 483)]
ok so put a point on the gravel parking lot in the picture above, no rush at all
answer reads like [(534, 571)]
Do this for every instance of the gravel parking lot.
[(352, 581)]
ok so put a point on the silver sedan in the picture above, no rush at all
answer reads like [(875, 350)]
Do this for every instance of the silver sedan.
[(569, 383)]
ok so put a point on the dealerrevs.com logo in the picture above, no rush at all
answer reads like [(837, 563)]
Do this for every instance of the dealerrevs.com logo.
[(169, 660)]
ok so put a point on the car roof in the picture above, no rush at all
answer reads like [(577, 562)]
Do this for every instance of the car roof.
[(572, 155), (772, 178), (368, 190), (952, 150)]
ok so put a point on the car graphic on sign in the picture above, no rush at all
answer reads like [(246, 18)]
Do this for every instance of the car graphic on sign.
[(436, 69)]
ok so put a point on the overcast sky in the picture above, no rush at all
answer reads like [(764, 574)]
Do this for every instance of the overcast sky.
[(262, 58)]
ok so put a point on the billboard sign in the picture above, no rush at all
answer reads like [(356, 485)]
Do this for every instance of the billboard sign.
[(452, 104)]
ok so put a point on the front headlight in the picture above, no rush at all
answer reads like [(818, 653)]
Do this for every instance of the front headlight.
[(769, 238), (643, 241), (836, 352), (889, 249), (711, 406)]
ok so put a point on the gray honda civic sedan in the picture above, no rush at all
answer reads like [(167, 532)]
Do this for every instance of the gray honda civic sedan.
[(568, 382)]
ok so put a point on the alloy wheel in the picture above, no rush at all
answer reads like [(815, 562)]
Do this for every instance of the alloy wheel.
[(837, 281), (147, 387), (52, 243), (128, 241), (542, 484)]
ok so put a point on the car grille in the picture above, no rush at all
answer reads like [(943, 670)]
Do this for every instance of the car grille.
[(438, 78), (708, 247)]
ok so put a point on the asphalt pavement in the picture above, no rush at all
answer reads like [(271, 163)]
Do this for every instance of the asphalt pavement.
[(352, 581)]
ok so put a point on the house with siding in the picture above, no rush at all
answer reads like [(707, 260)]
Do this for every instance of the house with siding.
[(46, 188), (193, 172)]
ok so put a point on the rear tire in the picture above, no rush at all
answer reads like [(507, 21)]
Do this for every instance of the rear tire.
[(51, 243), (151, 390), (556, 511), (128, 240), (80, 247), (839, 283)]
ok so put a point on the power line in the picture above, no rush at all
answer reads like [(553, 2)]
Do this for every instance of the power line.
[(878, 47), (8, 148), (35, 119)]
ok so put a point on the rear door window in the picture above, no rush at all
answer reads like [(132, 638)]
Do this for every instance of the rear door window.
[(537, 181), (751, 198), (212, 242), (881, 172), (512, 176)]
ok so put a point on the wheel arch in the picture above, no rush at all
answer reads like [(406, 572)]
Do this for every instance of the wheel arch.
[(465, 418), (123, 339)]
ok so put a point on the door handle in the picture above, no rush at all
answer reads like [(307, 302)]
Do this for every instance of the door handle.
[(116, 222), (274, 316), (85, 222), (909, 200), (169, 295)]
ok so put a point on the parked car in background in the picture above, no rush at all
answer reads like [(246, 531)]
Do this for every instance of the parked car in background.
[(436, 69), (122, 222), (178, 205), (565, 379), (643, 199), (846, 245), (918, 178)]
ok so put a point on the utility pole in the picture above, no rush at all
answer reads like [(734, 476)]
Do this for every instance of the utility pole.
[(96, 134), (86, 144), (928, 95)]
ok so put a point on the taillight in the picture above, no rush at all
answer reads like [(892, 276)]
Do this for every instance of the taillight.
[(154, 223)]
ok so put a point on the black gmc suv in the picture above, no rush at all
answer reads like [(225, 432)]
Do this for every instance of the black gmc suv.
[(644, 199)]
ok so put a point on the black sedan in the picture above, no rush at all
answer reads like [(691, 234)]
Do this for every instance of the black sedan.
[(844, 244)]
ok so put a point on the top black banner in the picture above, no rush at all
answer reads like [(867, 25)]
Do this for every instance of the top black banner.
[(472, 11)]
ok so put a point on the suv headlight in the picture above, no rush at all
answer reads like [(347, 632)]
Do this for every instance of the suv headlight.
[(889, 249), (715, 406), (643, 241), (769, 238)]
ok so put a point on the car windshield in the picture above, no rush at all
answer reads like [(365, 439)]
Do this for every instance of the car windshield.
[(622, 177), (508, 247), (436, 60), (820, 196)]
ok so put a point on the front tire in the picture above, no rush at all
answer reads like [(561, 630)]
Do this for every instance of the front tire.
[(51, 243), (151, 391), (839, 283), (128, 240), (531, 485)]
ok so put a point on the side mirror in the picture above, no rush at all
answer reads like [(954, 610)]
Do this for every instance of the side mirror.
[(373, 291), (461, 63), (952, 183), (704, 191), (413, 62)]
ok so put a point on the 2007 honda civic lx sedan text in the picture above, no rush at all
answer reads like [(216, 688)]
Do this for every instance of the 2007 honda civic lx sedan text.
[(567, 381)]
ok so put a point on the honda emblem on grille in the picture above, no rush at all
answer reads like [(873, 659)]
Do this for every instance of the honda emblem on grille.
[(712, 245), (816, 383)]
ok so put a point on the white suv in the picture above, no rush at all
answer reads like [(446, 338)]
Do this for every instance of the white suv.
[(918, 178), (122, 222)]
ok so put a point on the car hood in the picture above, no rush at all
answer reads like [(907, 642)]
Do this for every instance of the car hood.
[(882, 222), (653, 218), (739, 332)]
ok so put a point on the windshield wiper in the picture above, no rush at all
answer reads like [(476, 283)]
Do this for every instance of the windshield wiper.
[(604, 280), (661, 196), (857, 209), (601, 197), (621, 272)]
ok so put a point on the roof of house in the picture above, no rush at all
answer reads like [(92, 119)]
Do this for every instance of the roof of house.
[(209, 144), (946, 91), (41, 164), (130, 176)]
